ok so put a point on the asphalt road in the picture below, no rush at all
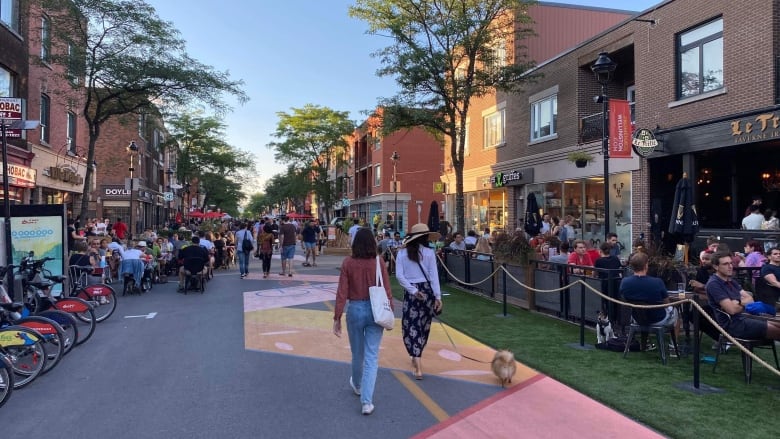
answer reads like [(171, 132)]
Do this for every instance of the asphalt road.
[(185, 373)]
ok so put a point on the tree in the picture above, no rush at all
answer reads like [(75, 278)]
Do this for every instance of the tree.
[(289, 190), (444, 53), (313, 139), (127, 60), (258, 204), (204, 156)]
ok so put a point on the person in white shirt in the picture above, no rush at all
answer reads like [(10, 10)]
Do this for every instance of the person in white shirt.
[(546, 224), (457, 242), (754, 220), (353, 230), (205, 242), (100, 228), (136, 252), (471, 239), (417, 273)]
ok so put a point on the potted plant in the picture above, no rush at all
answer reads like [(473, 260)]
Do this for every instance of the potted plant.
[(580, 158)]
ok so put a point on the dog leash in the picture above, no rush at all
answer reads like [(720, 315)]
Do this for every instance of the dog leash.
[(455, 348)]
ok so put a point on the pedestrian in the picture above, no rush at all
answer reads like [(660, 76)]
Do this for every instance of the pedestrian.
[(244, 250), (287, 238), (265, 248), (309, 238), (417, 273), (358, 273)]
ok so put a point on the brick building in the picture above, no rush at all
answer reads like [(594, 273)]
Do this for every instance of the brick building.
[(689, 69), (368, 185), (496, 127)]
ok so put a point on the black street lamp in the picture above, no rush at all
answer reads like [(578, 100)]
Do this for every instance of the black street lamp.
[(395, 158), (132, 151), (603, 68), (169, 174)]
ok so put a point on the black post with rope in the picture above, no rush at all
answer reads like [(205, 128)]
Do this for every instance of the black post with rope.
[(696, 348), (503, 273), (582, 314)]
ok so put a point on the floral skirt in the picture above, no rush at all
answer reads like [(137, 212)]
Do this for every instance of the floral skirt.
[(417, 317)]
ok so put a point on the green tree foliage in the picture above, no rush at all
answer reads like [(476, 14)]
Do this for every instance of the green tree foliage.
[(127, 60), (312, 140), (205, 157), (288, 191), (258, 205), (443, 54)]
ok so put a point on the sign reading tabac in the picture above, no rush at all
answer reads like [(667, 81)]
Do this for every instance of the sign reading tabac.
[(11, 108)]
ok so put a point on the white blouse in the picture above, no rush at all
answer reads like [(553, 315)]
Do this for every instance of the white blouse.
[(408, 272)]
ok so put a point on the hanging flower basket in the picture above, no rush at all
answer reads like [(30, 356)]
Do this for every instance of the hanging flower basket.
[(580, 158)]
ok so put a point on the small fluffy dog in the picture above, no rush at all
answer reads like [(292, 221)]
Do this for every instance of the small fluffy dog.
[(504, 366), (604, 330)]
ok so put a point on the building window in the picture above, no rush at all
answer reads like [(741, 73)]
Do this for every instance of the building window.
[(498, 58), (71, 132), (544, 117), (45, 39), (142, 125), (700, 59), (73, 64), (9, 14), (494, 129), (631, 98), (6, 83), (44, 118), (377, 175)]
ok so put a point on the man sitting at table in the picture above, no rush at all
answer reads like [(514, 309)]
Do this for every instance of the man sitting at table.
[(729, 300), (650, 290)]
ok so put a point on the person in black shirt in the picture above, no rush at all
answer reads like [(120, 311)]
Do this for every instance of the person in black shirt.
[(609, 261), (192, 258)]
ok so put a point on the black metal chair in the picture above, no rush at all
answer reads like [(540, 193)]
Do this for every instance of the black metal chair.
[(749, 344), (640, 322)]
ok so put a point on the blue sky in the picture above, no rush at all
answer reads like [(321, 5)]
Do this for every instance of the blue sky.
[(291, 53)]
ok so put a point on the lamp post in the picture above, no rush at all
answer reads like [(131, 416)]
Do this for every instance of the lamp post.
[(395, 158), (603, 68), (169, 174), (132, 151)]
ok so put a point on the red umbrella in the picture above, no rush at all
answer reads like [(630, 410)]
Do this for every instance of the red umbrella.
[(211, 215), (294, 215), (197, 214)]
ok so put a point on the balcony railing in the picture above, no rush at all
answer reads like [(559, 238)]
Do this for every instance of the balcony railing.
[(591, 128)]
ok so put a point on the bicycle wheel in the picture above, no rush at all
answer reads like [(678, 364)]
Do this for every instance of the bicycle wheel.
[(84, 314), (32, 301), (24, 348), (6, 378), (53, 338), (69, 326), (102, 298)]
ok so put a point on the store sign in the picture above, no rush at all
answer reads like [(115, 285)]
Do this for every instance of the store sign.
[(11, 108), (20, 176), (507, 178), (64, 174), (644, 142), (116, 192), (439, 187), (763, 127)]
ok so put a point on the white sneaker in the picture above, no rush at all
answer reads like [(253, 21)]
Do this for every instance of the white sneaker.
[(354, 388), (368, 409)]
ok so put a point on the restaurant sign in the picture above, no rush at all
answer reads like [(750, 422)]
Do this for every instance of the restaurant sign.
[(644, 142), (508, 178), (63, 174), (762, 127), (20, 176)]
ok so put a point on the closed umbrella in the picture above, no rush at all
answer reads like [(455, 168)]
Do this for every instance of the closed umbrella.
[(684, 223), (433, 217), (533, 221)]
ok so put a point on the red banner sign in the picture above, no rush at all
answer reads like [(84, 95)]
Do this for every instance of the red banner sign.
[(619, 129)]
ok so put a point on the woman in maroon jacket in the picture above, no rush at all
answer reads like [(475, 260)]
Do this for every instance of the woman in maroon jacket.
[(358, 273)]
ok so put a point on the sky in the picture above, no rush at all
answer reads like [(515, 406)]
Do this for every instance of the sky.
[(291, 53)]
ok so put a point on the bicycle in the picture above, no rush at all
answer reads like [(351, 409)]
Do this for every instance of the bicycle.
[(23, 348), (101, 296), (6, 378)]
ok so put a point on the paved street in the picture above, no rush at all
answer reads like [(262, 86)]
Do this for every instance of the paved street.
[(256, 358)]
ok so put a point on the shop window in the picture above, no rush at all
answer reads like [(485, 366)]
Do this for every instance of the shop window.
[(6, 82), (44, 118), (9, 14), (544, 118), (494, 129), (700, 59)]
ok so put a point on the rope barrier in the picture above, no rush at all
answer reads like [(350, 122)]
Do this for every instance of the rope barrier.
[(698, 308)]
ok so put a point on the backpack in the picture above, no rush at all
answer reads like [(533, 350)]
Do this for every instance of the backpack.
[(246, 244)]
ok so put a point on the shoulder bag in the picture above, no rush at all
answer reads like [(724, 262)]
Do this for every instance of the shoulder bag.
[(380, 305), (428, 281), (246, 244)]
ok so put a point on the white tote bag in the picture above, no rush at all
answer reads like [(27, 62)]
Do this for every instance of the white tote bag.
[(380, 305)]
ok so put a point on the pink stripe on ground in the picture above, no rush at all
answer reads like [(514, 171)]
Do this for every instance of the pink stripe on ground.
[(540, 408)]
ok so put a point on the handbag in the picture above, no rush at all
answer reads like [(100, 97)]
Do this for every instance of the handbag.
[(380, 305), (435, 311)]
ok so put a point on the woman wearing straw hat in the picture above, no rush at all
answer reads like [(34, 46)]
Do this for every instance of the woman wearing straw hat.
[(417, 273)]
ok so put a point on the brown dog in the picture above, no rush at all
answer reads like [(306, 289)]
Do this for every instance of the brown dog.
[(504, 366)]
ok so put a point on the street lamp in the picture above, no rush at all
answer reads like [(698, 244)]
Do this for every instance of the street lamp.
[(603, 68), (132, 151), (395, 158), (169, 174)]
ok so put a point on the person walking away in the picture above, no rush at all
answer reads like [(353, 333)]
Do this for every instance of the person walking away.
[(265, 248), (417, 273), (309, 238), (287, 234), (358, 273), (245, 243)]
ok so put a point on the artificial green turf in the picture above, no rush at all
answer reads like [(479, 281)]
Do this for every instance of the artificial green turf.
[(638, 386)]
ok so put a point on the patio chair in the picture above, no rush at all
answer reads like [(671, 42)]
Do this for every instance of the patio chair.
[(640, 322), (749, 344)]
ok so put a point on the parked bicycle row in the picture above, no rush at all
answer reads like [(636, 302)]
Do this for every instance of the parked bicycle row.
[(40, 329)]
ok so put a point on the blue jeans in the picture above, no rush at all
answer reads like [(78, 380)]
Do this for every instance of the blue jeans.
[(243, 262), (364, 339)]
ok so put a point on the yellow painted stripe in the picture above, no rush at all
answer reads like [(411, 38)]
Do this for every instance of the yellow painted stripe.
[(330, 305), (421, 396)]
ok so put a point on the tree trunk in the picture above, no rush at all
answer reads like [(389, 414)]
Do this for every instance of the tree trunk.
[(85, 192)]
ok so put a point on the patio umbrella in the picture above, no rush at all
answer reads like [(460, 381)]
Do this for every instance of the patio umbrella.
[(684, 223), (433, 216), (196, 214), (226, 216), (533, 221), (213, 215)]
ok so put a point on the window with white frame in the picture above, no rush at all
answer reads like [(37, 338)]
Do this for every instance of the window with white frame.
[(631, 98), (9, 14), (544, 117), (44, 117), (6, 83), (498, 55), (45, 39), (494, 129), (73, 64), (700, 59), (71, 119)]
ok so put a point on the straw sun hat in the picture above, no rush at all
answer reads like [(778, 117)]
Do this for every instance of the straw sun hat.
[(419, 230)]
